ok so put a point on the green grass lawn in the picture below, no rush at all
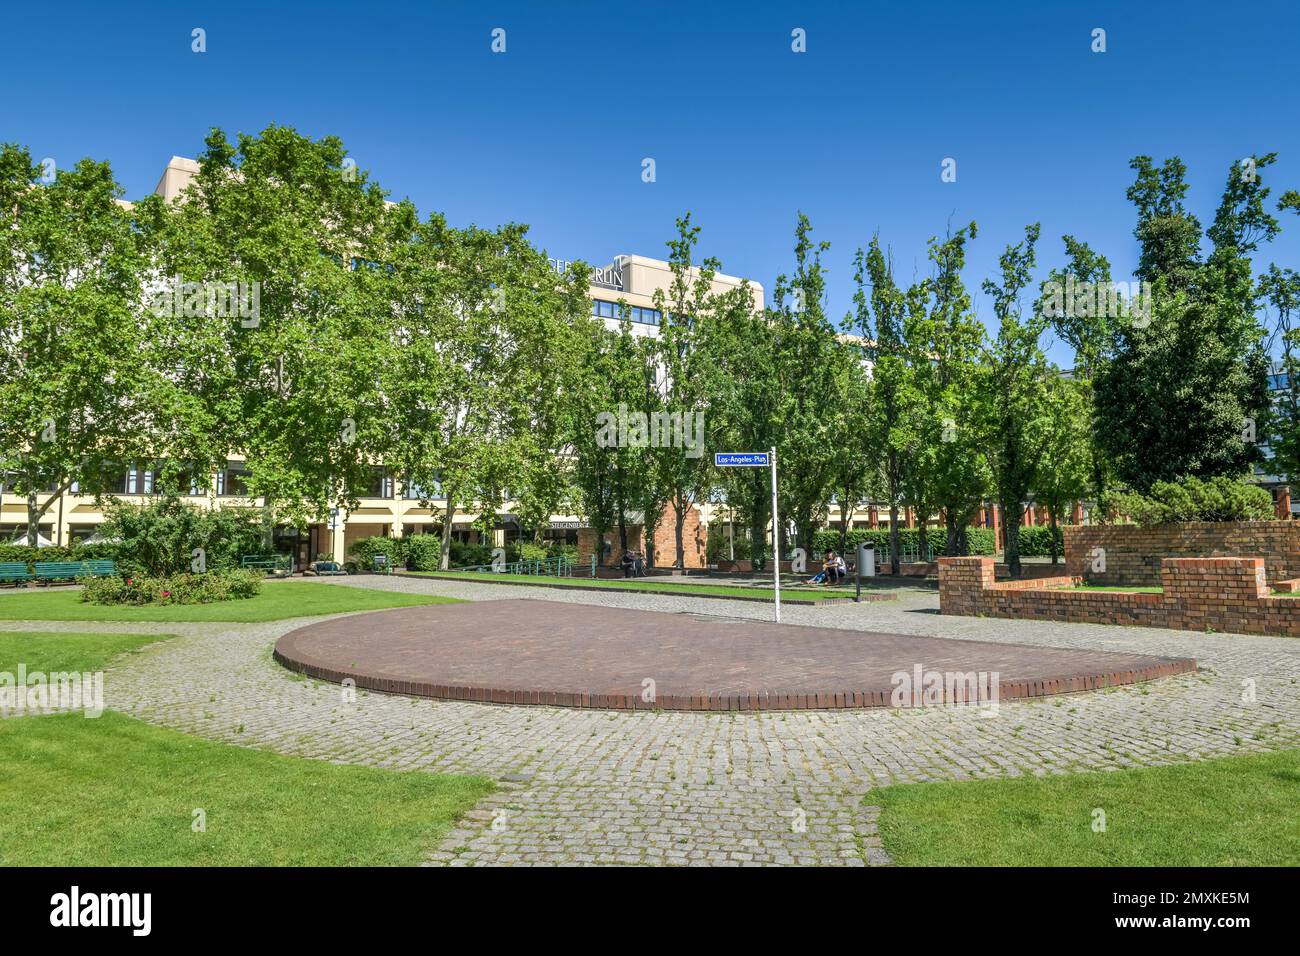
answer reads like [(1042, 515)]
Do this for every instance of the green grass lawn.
[(278, 600), (1235, 811), (117, 792), (56, 651), (652, 584)]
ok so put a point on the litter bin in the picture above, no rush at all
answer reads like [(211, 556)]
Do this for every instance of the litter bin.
[(867, 559)]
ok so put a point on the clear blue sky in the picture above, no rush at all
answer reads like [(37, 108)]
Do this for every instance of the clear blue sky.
[(744, 132)]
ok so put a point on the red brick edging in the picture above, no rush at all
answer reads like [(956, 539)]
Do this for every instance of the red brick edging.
[(1199, 594)]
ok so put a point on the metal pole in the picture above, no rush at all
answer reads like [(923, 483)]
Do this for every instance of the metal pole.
[(776, 542)]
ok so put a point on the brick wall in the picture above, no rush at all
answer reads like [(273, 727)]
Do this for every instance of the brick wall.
[(1133, 554), (665, 540), (1225, 594)]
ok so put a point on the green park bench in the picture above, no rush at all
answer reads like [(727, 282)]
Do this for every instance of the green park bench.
[(69, 570), (274, 565), (15, 571)]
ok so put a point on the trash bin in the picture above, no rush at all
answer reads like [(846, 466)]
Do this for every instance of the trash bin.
[(867, 559)]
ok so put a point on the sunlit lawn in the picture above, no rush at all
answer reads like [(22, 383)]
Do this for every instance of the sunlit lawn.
[(113, 791), (802, 592), (278, 600), (1235, 811), (50, 651)]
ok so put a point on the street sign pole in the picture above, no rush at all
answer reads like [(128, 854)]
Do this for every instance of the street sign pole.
[(776, 541), (758, 459)]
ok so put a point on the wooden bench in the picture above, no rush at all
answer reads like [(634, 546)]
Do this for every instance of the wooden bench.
[(69, 570), (15, 571)]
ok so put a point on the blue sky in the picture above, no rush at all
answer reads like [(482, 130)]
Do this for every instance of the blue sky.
[(744, 132)]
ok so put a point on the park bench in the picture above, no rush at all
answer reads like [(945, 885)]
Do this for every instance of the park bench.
[(275, 565), (69, 570), (15, 571), (325, 569)]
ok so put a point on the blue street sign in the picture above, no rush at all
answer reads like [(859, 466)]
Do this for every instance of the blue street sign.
[(740, 459)]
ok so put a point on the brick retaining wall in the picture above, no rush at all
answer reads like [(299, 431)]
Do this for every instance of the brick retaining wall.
[(1133, 555), (1223, 594)]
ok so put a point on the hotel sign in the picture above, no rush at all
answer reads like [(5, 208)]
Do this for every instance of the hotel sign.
[(606, 277)]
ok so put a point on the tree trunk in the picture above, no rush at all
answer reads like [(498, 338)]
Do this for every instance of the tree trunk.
[(444, 559), (894, 537), (33, 518), (950, 524), (1051, 524), (268, 525), (1011, 518), (679, 530)]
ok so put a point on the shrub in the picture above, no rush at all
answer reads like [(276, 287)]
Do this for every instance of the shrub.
[(186, 588), (527, 551), (363, 551), (1194, 499), (158, 537), (719, 546), (423, 552), (463, 555)]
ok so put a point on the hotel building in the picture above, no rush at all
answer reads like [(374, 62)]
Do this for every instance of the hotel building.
[(387, 507)]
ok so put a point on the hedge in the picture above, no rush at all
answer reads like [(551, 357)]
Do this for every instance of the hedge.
[(363, 551), (1036, 541), (979, 540)]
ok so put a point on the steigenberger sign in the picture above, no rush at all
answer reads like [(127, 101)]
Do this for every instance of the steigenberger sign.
[(606, 277)]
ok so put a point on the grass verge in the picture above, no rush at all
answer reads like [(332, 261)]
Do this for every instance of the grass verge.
[(278, 600), (650, 584), (1234, 811), (51, 651), (117, 792)]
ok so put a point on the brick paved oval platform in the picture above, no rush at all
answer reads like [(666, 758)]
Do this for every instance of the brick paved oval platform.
[(559, 654)]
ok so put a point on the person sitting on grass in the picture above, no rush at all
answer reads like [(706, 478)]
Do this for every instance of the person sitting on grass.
[(827, 571)]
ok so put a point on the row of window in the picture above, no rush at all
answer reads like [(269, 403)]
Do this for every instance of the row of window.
[(232, 483), (600, 308)]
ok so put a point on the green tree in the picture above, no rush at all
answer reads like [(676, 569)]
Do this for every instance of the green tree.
[(685, 309), (951, 473), (812, 395), (893, 401), (744, 382), (481, 360), (1185, 389), (1280, 288), (1066, 461), (1013, 399), (293, 382), (75, 383)]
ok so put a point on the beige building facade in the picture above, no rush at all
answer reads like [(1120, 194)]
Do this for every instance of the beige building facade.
[(389, 507)]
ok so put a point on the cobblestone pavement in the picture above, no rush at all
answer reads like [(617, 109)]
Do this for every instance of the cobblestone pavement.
[(710, 789)]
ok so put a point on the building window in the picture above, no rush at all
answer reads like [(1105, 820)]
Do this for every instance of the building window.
[(413, 492), (603, 309), (232, 480), (381, 483)]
